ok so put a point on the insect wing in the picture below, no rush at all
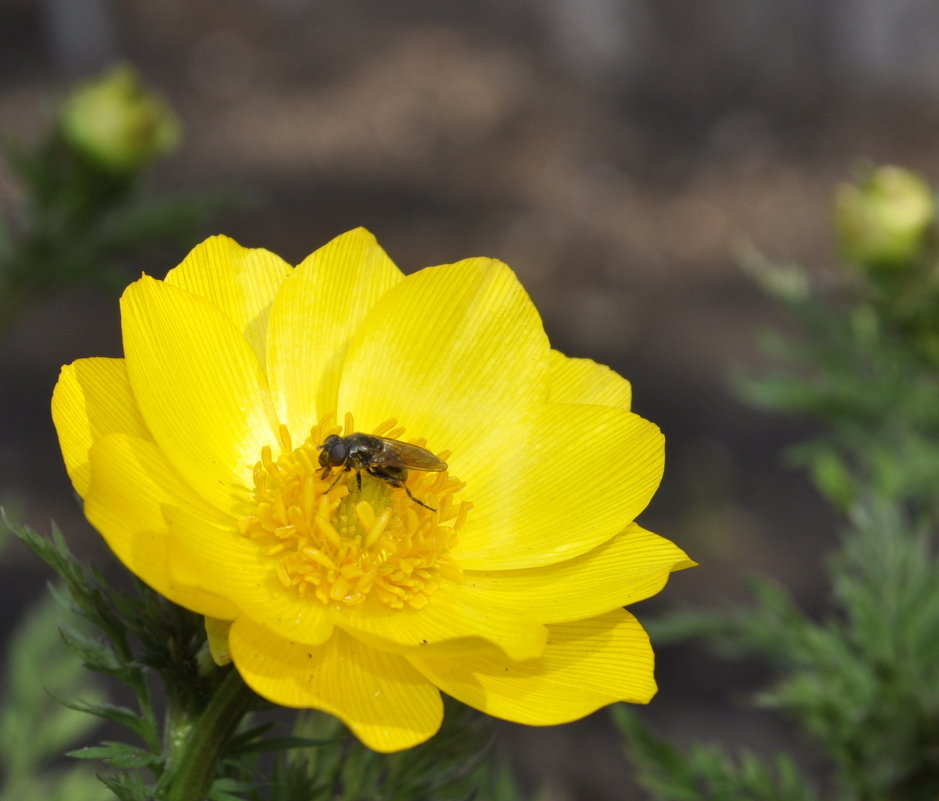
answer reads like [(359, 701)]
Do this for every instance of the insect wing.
[(395, 453)]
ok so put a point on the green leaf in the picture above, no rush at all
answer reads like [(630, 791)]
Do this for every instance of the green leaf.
[(127, 787), (270, 744), (226, 789), (143, 726), (119, 755), (706, 773)]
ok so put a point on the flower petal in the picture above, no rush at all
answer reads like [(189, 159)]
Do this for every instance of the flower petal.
[(199, 387), (632, 566), (216, 633), (315, 313), (586, 381), (91, 399), (445, 352), (450, 618), (212, 553), (387, 704), (131, 487), (586, 665), (240, 281), (573, 477)]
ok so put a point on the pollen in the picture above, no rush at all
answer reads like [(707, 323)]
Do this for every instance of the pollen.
[(343, 545)]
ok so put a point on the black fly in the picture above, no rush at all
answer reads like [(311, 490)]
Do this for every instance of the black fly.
[(383, 458)]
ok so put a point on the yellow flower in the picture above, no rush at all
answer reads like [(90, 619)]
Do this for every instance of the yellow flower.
[(500, 583)]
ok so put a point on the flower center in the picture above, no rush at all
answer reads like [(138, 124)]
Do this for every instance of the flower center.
[(342, 544)]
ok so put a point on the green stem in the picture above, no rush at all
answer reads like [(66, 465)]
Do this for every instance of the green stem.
[(206, 740)]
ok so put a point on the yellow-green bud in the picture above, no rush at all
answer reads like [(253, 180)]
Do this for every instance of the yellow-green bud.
[(117, 124), (883, 220)]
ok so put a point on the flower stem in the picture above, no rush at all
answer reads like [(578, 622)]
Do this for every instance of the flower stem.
[(206, 740)]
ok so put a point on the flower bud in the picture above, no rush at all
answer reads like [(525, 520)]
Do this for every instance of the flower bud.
[(117, 124), (882, 221)]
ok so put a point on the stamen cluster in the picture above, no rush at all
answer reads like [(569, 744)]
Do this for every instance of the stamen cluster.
[(348, 545)]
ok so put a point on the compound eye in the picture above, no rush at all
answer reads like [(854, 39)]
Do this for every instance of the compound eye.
[(332, 452), (337, 452)]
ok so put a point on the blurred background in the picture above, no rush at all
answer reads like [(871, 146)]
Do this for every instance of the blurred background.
[(618, 154)]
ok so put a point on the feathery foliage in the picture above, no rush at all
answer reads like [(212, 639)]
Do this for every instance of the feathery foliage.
[(862, 681)]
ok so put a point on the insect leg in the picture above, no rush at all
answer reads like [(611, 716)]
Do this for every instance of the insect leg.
[(339, 475), (421, 503), (396, 476)]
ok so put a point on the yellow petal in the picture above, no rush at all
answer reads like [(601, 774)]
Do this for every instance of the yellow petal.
[(387, 704), (240, 281), (216, 632), (198, 386), (312, 319), (211, 553), (131, 487), (447, 351), (632, 566), (585, 381), (572, 478), (585, 666), (91, 399), (449, 619)]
